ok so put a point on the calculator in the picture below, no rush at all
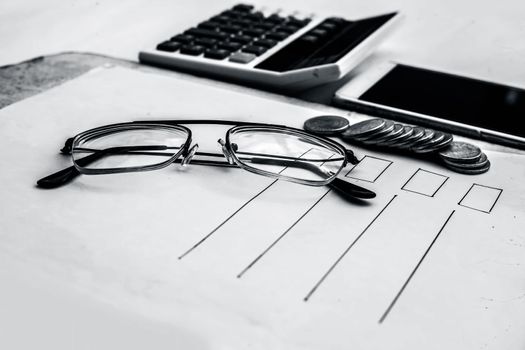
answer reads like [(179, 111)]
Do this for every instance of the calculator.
[(271, 48)]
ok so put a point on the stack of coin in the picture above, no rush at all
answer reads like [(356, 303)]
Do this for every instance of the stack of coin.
[(385, 133), (457, 156), (465, 158)]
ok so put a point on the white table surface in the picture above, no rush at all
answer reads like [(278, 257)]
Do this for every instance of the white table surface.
[(480, 38)]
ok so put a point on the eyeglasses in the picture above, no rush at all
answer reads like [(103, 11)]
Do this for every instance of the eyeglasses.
[(275, 151)]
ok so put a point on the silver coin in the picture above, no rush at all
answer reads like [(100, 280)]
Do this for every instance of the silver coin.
[(429, 145), (401, 138), (397, 130), (364, 128), (399, 133), (480, 163), (379, 139), (326, 125), (447, 140), (385, 130), (474, 171), (461, 152), (417, 133), (428, 135)]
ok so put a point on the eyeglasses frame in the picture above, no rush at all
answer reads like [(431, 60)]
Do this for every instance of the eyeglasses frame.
[(64, 176)]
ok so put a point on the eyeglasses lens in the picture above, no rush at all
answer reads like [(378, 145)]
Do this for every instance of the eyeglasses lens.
[(128, 148), (294, 155)]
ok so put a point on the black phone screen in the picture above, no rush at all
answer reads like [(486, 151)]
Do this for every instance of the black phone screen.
[(469, 101)]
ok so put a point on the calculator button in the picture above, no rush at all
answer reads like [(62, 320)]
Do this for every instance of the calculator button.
[(243, 39), (169, 46), (287, 29), (298, 22), (338, 21), (318, 32), (256, 50), (205, 33), (242, 57), (232, 14), (255, 17), (181, 38), (230, 28), (193, 50), (277, 35), (254, 32), (266, 43), (328, 26), (220, 19), (216, 54), (230, 46), (265, 25), (309, 39), (242, 8), (243, 23), (207, 42), (275, 19), (209, 25)]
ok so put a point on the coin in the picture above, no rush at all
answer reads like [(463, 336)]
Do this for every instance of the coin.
[(326, 125), (427, 136), (417, 133), (480, 163), (364, 128), (401, 138), (380, 138), (447, 140), (386, 129), (429, 145), (467, 171), (461, 152)]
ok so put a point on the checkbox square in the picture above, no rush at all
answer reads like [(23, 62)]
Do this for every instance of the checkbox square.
[(424, 182), (369, 169), (481, 198)]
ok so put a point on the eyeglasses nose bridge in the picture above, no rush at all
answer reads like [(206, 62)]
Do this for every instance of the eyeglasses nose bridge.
[(187, 159), (226, 152)]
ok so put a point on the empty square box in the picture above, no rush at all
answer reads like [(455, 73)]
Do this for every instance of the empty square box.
[(369, 169), (482, 198), (425, 182)]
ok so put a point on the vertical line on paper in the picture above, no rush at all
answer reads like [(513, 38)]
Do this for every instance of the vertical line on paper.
[(280, 237), (234, 213), (385, 314), (226, 220), (316, 286)]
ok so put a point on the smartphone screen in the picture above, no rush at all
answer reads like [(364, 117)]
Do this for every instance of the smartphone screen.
[(469, 101)]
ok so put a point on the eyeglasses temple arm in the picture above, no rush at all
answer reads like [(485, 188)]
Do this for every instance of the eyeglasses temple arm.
[(63, 176), (350, 189)]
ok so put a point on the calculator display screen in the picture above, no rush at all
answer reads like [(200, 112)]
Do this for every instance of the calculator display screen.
[(469, 101), (326, 43)]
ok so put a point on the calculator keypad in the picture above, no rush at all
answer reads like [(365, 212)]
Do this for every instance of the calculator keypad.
[(239, 34), (242, 34)]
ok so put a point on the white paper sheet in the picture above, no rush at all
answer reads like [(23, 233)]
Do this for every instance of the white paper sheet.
[(436, 261)]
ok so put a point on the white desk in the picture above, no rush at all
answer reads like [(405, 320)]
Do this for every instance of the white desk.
[(481, 38)]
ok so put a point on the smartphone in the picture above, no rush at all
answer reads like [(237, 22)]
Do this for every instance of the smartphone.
[(441, 100)]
